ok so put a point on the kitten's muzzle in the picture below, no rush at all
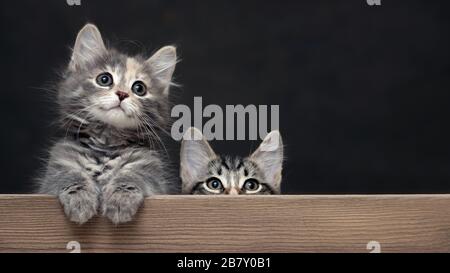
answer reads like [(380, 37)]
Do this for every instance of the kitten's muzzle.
[(122, 95)]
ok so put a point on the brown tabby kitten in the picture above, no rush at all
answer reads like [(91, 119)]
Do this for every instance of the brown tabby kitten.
[(203, 172)]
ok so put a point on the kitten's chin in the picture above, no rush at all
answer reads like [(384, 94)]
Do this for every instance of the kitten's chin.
[(115, 117)]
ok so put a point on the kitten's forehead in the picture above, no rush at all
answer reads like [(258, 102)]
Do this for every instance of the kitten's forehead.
[(233, 170), (126, 68), (112, 59), (135, 70)]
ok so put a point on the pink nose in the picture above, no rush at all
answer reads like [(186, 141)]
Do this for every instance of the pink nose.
[(122, 95)]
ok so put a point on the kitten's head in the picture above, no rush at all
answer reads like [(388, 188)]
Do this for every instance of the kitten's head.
[(203, 172), (109, 87)]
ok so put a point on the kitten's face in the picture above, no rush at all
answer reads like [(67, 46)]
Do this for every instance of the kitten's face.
[(107, 86), (226, 175), (203, 172)]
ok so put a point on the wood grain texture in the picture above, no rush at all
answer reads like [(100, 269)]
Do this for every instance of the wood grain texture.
[(288, 223)]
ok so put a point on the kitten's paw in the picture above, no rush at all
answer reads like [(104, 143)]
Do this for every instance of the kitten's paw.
[(121, 202), (80, 202)]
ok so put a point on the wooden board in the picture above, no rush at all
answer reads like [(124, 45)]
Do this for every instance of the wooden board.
[(286, 223)]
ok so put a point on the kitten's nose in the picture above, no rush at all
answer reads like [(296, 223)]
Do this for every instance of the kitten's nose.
[(122, 95)]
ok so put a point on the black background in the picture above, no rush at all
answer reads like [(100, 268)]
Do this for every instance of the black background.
[(363, 90)]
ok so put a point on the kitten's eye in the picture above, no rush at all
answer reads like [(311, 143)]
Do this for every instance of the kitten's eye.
[(214, 184), (105, 79), (251, 185), (139, 88)]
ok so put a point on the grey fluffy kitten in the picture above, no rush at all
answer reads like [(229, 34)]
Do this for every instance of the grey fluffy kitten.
[(111, 106), (203, 172)]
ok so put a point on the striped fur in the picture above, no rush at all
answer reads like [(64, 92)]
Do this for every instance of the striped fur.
[(200, 167)]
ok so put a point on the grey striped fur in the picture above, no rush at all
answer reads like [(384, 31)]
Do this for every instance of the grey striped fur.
[(108, 160), (200, 166)]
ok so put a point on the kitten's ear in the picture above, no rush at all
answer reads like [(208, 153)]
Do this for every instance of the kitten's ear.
[(88, 45), (195, 155), (269, 158), (163, 65)]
